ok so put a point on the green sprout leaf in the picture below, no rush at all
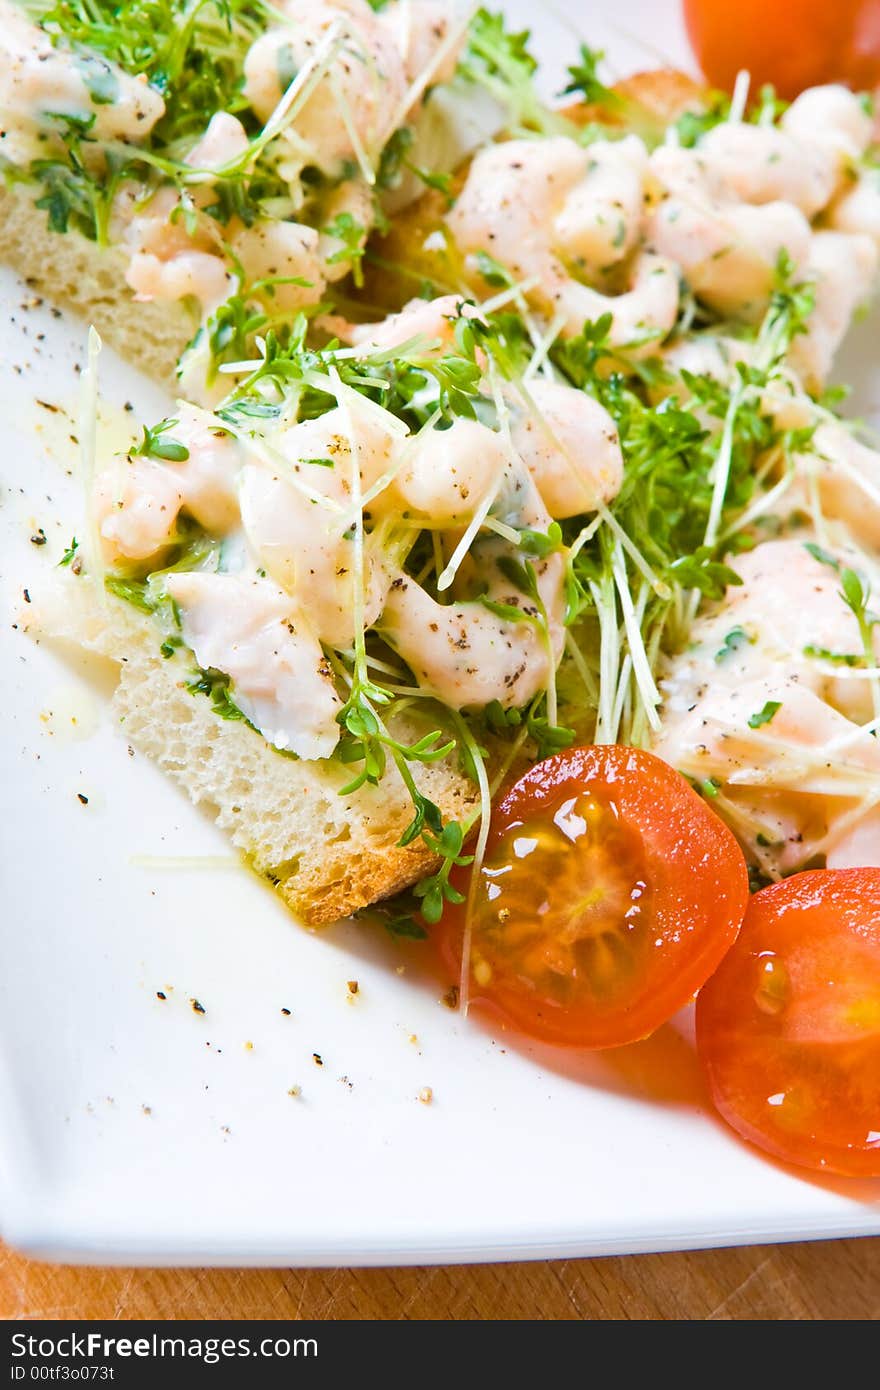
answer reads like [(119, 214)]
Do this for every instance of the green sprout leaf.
[(765, 715)]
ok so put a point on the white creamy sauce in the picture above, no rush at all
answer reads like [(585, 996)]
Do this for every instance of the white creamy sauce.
[(39, 83), (255, 633)]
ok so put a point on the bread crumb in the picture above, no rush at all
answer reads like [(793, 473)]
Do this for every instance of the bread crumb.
[(295, 1091), (426, 1095)]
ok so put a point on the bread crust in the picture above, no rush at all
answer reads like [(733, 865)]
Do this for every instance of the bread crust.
[(76, 274), (327, 853)]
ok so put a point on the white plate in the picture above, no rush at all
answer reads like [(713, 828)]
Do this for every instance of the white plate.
[(138, 1130)]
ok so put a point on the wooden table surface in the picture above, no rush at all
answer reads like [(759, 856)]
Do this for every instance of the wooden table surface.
[(837, 1280)]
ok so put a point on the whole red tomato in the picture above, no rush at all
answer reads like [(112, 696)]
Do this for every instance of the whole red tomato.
[(791, 43)]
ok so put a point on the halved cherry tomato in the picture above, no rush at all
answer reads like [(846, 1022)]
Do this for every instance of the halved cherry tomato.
[(608, 895), (788, 1029), (792, 43)]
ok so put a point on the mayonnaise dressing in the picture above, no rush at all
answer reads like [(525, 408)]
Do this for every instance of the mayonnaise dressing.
[(39, 83), (255, 634)]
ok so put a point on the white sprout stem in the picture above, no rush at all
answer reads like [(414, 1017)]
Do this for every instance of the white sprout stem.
[(267, 454), (476, 866), (410, 347), (545, 427), (361, 380), (552, 696), (445, 579), (538, 361), (721, 468), (620, 696), (749, 828), (720, 480), (764, 504), (360, 154), (581, 667), (357, 587), (404, 9), (303, 84), (384, 667), (875, 689), (418, 85), (438, 558), (791, 778), (87, 428), (513, 750), (822, 751), (584, 536), (864, 484), (637, 732), (243, 368), (648, 691), (500, 528), (770, 460), (849, 781), (382, 417), (844, 823), (286, 111), (844, 779), (403, 457), (817, 516), (740, 97), (609, 657), (498, 301), (519, 468), (410, 692), (661, 589)]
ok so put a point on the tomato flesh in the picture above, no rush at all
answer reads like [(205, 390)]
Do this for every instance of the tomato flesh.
[(608, 894), (788, 1029), (794, 45)]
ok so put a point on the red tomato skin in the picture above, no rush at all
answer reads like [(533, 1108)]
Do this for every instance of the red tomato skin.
[(686, 843), (792, 44), (801, 1083)]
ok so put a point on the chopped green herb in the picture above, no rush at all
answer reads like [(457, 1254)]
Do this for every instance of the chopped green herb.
[(157, 444), (765, 715), (735, 639), (583, 78)]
